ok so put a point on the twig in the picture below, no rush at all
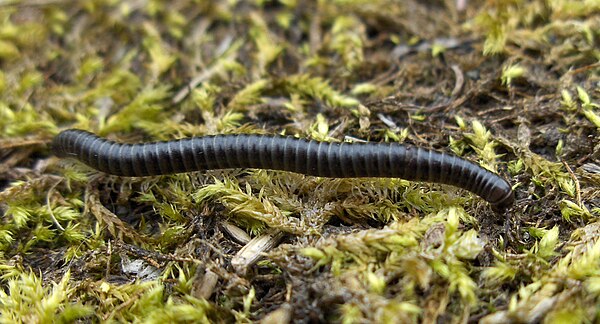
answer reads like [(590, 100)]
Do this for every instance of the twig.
[(131, 299), (460, 80), (205, 75), (6, 144), (230, 54), (584, 68)]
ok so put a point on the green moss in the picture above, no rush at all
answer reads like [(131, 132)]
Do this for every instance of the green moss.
[(520, 100), (26, 299)]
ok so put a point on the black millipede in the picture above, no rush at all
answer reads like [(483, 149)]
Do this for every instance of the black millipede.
[(323, 159)]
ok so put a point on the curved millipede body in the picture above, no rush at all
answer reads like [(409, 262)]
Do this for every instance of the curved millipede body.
[(334, 160)]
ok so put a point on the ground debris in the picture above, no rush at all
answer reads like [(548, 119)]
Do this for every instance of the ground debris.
[(511, 85)]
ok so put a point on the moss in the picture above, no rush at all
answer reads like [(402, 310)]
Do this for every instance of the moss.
[(511, 85), (27, 300)]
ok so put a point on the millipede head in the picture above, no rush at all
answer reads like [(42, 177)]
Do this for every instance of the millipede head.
[(506, 200)]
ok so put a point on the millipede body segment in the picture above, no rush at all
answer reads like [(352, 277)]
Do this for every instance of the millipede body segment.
[(323, 159)]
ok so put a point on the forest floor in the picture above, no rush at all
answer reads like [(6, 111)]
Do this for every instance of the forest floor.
[(511, 85)]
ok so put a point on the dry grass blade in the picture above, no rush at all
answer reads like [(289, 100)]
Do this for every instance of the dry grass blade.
[(254, 250)]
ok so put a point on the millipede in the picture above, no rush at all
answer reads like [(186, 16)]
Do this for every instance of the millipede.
[(309, 157)]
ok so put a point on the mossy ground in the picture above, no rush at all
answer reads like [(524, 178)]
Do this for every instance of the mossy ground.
[(510, 84)]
